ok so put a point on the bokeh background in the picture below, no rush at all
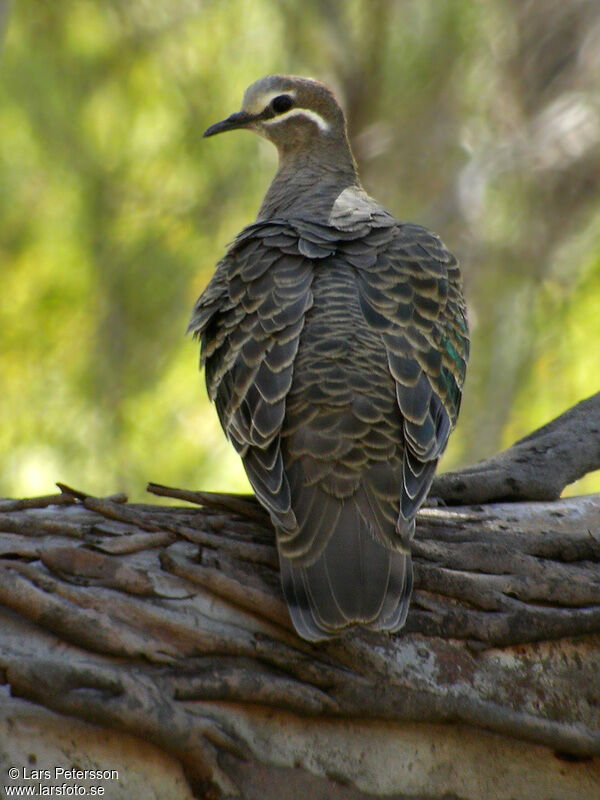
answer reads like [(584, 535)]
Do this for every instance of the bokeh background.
[(480, 120)]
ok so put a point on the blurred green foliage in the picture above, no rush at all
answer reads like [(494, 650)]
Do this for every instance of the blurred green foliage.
[(480, 120)]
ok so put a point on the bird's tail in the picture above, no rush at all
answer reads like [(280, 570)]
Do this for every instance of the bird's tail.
[(354, 581)]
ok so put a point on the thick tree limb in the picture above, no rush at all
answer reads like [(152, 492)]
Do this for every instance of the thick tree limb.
[(537, 467), (168, 623)]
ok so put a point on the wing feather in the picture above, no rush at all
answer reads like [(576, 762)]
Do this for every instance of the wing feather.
[(413, 296), (249, 321)]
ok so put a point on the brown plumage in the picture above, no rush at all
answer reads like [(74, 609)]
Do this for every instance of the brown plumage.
[(335, 343)]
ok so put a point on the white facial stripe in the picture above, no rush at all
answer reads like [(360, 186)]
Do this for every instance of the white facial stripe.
[(300, 112), (264, 100)]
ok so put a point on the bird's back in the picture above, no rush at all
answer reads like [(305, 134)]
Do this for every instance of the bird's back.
[(334, 357), (342, 447)]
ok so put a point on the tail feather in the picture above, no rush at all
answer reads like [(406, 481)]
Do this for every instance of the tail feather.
[(397, 601), (298, 602), (356, 580)]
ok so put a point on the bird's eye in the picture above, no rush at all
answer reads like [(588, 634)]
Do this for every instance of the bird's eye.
[(281, 103)]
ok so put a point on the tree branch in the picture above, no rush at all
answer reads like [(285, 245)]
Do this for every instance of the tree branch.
[(537, 467), (168, 623)]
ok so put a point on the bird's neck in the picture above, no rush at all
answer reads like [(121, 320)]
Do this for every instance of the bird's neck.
[(307, 183)]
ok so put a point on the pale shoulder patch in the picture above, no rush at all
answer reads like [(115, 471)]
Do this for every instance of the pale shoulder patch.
[(354, 207)]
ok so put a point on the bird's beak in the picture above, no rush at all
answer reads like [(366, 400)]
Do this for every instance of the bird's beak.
[(241, 119)]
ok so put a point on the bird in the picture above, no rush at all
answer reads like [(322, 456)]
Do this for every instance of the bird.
[(335, 341)]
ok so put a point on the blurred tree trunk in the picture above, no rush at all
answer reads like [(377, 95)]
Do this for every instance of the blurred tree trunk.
[(509, 178), (166, 626)]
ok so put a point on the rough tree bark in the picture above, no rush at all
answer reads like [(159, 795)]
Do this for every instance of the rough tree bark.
[(165, 626)]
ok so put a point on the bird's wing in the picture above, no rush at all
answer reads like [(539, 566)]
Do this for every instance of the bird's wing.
[(411, 293), (249, 321)]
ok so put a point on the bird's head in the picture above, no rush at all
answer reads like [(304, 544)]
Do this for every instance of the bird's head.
[(293, 113)]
